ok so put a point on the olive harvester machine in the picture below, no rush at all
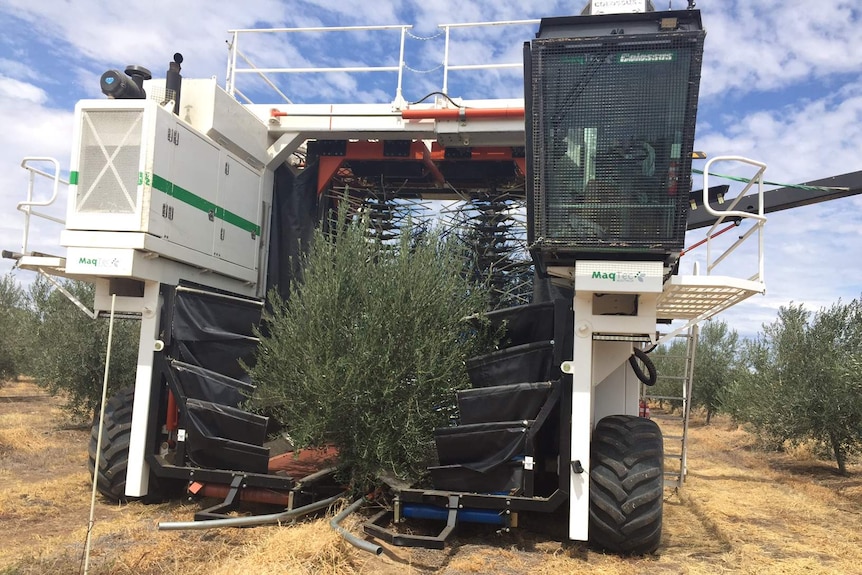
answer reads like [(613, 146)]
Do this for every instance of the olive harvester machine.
[(185, 206)]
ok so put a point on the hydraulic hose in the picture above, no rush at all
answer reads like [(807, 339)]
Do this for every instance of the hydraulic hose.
[(254, 520), (646, 379), (335, 522)]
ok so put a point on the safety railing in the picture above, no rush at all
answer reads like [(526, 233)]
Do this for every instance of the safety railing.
[(234, 53), (27, 205), (447, 67), (733, 214), (239, 63)]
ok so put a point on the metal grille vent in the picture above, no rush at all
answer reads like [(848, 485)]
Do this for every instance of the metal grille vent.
[(612, 131), (109, 161)]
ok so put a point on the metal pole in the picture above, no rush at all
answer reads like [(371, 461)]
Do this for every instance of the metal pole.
[(446, 62), (230, 78), (335, 522), (252, 521), (399, 99), (99, 438)]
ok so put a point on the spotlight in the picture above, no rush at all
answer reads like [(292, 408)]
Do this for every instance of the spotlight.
[(125, 86)]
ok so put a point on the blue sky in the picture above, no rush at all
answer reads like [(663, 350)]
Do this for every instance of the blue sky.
[(782, 83)]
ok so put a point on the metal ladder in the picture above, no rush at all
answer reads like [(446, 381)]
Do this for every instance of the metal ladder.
[(676, 444)]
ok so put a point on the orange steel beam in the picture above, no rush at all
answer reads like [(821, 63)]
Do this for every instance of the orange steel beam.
[(463, 114), (329, 165), (326, 169), (249, 494)]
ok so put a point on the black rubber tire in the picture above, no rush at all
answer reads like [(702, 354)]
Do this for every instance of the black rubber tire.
[(626, 485), (114, 460)]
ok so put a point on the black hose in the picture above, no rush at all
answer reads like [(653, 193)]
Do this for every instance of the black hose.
[(639, 354)]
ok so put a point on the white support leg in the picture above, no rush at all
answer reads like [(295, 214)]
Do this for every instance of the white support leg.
[(595, 361), (138, 471), (582, 410)]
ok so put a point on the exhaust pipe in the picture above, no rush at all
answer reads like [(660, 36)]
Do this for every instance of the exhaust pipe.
[(174, 82)]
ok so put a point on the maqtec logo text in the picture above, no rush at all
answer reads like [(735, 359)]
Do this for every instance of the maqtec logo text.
[(620, 277)]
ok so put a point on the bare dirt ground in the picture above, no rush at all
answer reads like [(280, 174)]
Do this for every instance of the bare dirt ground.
[(741, 511)]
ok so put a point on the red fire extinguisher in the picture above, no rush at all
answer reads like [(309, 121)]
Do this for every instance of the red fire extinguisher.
[(673, 178), (644, 409)]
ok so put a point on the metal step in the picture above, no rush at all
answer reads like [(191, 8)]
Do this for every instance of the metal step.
[(675, 478), (666, 417)]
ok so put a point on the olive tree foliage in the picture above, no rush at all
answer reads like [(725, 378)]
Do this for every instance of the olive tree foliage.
[(804, 379), (68, 349), (13, 329), (670, 363), (368, 350), (716, 366)]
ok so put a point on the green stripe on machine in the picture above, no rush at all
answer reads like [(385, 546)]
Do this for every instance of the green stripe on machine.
[(200, 203), (191, 199), (73, 178)]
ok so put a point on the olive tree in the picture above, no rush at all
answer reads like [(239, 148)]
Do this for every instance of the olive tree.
[(13, 330), (716, 366), (804, 379), (69, 348), (366, 352)]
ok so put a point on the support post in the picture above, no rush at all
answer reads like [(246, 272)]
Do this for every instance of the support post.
[(138, 471), (582, 410)]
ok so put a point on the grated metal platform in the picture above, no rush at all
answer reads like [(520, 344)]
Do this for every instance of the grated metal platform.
[(701, 297)]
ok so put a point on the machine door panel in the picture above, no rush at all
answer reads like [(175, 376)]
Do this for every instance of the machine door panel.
[(193, 188), (237, 231), (158, 206)]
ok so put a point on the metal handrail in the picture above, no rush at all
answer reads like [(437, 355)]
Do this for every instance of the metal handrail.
[(732, 213), (27, 205), (233, 52), (448, 67)]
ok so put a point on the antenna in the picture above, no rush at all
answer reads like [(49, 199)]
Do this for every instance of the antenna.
[(691, 4)]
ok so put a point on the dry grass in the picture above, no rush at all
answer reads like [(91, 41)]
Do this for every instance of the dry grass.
[(741, 511)]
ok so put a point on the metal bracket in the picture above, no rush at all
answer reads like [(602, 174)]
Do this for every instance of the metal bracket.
[(230, 503), (374, 527)]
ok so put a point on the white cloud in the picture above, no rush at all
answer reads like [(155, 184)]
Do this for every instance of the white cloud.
[(116, 34), (772, 44), (16, 69), (15, 89), (29, 129), (808, 140)]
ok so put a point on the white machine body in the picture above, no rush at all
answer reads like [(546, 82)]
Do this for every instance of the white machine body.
[(143, 180)]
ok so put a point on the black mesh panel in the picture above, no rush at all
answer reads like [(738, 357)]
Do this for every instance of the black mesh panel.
[(612, 130)]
